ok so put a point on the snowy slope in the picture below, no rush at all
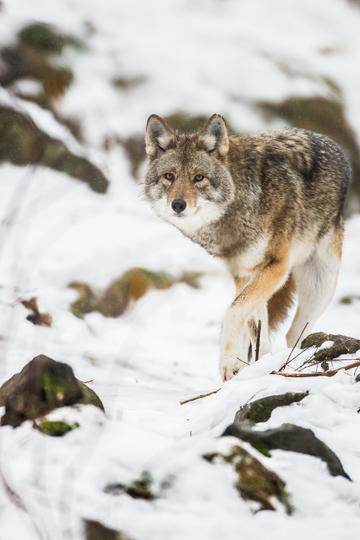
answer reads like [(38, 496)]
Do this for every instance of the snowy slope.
[(200, 57)]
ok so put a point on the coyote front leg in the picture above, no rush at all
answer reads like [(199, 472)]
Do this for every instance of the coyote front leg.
[(250, 303)]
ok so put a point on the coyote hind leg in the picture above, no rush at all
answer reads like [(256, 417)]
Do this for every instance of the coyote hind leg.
[(315, 282)]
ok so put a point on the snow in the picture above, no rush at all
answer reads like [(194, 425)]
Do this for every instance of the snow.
[(202, 57)]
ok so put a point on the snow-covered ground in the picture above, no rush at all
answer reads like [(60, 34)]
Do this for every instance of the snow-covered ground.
[(202, 57)]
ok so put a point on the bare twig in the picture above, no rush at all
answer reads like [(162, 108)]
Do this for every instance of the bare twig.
[(329, 373), (292, 350), (243, 361), (199, 397), (257, 348)]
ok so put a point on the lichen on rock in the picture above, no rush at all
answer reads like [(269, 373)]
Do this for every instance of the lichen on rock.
[(22, 142), (140, 488), (261, 409), (130, 287), (255, 482), (42, 385)]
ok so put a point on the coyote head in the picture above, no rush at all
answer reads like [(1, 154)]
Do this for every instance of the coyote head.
[(187, 180)]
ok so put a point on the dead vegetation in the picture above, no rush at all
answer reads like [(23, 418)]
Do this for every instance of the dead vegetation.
[(255, 482), (37, 318), (130, 287)]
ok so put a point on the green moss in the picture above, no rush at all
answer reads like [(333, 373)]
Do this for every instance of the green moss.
[(47, 38), (254, 481), (192, 279), (262, 448), (350, 299), (42, 36), (325, 366), (261, 409), (332, 85), (56, 428), (140, 488), (41, 386), (160, 280), (86, 302)]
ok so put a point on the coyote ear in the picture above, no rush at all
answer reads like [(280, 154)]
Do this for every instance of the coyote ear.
[(159, 135), (214, 136)]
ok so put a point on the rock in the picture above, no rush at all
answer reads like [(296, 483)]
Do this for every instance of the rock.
[(255, 482), (261, 409), (46, 38), (129, 287), (138, 489), (23, 143), (42, 385), (341, 345), (96, 531), (288, 437)]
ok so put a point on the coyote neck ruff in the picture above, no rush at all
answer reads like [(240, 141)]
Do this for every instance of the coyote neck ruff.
[(270, 206)]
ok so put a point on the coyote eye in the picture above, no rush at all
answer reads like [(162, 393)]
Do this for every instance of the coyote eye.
[(199, 178), (169, 176)]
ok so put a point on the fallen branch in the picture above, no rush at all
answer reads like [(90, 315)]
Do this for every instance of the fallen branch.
[(199, 397), (329, 373)]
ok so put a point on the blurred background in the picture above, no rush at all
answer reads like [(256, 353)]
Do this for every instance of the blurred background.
[(88, 275)]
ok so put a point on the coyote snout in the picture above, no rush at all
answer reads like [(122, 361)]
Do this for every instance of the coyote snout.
[(178, 205), (270, 206)]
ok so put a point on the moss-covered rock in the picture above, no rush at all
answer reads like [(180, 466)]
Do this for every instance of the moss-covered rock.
[(255, 482), (323, 115), (46, 38), (96, 531), (288, 437), (341, 345), (261, 409), (23, 143), (31, 57), (131, 286), (139, 488), (43, 385)]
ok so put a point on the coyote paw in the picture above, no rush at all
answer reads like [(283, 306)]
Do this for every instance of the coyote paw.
[(230, 365)]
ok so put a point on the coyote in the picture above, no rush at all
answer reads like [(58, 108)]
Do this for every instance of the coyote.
[(270, 206)]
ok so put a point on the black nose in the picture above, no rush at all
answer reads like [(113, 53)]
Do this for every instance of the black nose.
[(178, 205)]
